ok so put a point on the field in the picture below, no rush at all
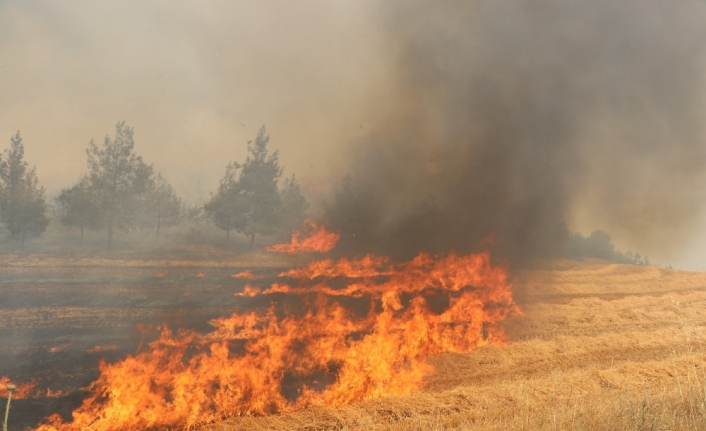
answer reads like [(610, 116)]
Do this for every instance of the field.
[(62, 312), (598, 347)]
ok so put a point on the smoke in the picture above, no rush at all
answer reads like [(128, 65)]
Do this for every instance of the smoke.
[(456, 120), (195, 80), (519, 119)]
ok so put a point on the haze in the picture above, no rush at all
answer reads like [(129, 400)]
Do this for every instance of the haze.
[(614, 94)]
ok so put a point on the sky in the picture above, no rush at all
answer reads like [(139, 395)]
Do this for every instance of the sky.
[(196, 80)]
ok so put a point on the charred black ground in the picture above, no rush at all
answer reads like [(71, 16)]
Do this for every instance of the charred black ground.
[(57, 323)]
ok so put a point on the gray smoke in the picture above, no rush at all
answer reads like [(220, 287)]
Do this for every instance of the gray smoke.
[(520, 118)]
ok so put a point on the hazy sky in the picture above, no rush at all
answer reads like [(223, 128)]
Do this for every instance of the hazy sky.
[(197, 79)]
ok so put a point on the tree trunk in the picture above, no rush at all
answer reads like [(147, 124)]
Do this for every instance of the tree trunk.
[(110, 236), (159, 215), (252, 241)]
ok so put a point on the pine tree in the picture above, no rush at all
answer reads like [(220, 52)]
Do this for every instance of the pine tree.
[(294, 207), (227, 207), (78, 207), (252, 204), (121, 181), (22, 205), (163, 205), (258, 186)]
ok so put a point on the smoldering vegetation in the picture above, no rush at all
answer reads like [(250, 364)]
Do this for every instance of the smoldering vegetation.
[(507, 121)]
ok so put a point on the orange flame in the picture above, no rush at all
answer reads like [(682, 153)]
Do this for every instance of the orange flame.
[(60, 347), (248, 275), (320, 241), (102, 348), (22, 391), (249, 290), (55, 394), (324, 354)]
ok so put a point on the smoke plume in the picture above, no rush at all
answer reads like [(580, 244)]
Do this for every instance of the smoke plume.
[(509, 121)]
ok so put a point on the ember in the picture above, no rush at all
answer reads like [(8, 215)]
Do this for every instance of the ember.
[(267, 362)]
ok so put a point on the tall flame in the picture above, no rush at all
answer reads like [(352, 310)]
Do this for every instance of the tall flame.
[(319, 241), (320, 353)]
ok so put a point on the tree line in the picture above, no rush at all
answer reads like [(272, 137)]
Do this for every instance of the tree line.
[(121, 193)]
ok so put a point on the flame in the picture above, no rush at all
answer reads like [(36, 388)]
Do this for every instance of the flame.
[(248, 275), (55, 394), (60, 347), (321, 353), (249, 290), (200, 275), (23, 390), (27, 390), (102, 348), (319, 241)]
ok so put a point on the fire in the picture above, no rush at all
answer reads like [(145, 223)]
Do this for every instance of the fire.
[(60, 347), (27, 390), (23, 390), (319, 241), (249, 290), (248, 275), (102, 348), (55, 394), (317, 352)]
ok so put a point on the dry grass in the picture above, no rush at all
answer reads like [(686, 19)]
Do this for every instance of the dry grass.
[(600, 347)]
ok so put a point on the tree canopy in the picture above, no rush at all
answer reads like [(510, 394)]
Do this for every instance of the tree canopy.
[(294, 207), (120, 193), (163, 205), (22, 205), (252, 204), (78, 207)]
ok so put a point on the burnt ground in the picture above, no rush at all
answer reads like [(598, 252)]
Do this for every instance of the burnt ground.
[(58, 322)]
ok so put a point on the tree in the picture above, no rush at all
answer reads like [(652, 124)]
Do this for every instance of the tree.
[(163, 205), (600, 245), (120, 179), (294, 207), (258, 187), (22, 205), (252, 204), (227, 207), (78, 207)]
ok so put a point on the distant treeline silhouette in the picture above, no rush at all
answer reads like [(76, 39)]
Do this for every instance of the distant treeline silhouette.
[(121, 193)]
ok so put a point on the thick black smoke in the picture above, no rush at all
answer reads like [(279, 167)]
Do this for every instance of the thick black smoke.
[(515, 119)]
